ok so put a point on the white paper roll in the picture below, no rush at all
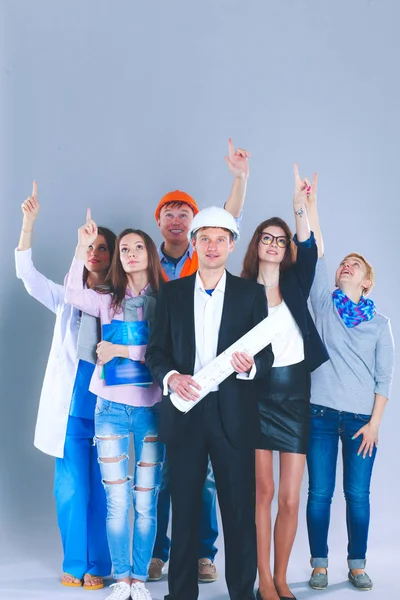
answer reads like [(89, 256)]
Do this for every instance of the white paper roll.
[(220, 368)]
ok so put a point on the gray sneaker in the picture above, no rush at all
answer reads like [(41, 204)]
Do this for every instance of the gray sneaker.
[(318, 581), (361, 582)]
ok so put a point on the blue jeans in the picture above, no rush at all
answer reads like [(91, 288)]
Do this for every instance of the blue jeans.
[(208, 526), (326, 428), (114, 423), (81, 503)]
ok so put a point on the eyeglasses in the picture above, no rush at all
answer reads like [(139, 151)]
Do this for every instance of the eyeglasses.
[(282, 241)]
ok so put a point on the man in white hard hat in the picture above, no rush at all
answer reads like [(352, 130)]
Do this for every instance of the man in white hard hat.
[(174, 215), (197, 318)]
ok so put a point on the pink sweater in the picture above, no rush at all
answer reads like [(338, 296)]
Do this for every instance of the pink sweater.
[(99, 305)]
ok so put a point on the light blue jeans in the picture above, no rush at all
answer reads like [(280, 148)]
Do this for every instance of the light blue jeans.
[(114, 423)]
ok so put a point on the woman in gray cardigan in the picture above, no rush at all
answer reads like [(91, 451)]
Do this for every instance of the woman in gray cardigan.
[(348, 396)]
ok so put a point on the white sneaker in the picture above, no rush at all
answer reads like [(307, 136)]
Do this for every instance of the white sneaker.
[(121, 591), (139, 591)]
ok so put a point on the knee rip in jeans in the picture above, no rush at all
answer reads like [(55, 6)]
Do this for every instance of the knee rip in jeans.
[(113, 459), (107, 438), (149, 439)]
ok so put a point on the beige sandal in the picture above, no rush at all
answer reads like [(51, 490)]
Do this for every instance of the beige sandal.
[(98, 586), (71, 583)]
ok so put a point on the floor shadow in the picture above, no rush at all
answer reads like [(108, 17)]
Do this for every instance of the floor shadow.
[(303, 590)]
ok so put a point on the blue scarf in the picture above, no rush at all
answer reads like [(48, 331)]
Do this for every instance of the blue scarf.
[(353, 314)]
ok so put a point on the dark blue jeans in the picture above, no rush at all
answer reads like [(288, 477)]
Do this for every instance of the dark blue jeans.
[(326, 428), (208, 526)]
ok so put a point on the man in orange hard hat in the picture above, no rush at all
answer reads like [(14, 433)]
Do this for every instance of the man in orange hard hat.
[(175, 212)]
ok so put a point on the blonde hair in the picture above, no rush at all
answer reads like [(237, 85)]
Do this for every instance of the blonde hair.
[(369, 271)]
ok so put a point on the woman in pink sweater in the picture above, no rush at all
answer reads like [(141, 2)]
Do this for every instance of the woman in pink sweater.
[(128, 295)]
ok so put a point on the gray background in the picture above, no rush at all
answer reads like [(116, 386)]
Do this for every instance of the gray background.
[(112, 104)]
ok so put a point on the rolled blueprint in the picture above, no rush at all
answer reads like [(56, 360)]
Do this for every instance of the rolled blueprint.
[(220, 368)]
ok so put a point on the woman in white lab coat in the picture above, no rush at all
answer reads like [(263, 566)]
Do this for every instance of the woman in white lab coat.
[(65, 423)]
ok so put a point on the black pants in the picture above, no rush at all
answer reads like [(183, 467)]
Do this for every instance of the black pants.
[(234, 477)]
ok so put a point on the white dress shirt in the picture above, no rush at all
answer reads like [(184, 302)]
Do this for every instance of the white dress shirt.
[(207, 321)]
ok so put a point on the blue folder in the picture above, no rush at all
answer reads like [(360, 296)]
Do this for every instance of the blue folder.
[(124, 371)]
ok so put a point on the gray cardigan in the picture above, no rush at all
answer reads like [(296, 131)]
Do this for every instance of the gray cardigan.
[(361, 358)]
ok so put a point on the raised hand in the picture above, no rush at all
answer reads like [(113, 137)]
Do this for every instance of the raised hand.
[(238, 161), (30, 208), (300, 192), (88, 232), (311, 199)]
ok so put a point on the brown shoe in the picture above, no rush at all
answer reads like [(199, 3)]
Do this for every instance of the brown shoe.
[(207, 571), (155, 569)]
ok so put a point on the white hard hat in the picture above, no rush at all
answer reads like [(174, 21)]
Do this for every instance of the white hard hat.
[(214, 216)]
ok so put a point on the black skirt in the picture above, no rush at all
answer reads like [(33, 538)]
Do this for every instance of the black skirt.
[(285, 410)]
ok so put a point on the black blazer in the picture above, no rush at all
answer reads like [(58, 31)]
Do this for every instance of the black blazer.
[(295, 285), (172, 346)]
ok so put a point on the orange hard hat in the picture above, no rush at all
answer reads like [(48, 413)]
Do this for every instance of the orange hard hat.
[(176, 196)]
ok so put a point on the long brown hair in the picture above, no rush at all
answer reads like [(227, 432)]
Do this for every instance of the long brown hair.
[(110, 238), (251, 262), (117, 280)]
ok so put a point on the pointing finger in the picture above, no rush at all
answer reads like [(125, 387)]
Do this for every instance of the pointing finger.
[(88, 214), (296, 172), (231, 148), (34, 189)]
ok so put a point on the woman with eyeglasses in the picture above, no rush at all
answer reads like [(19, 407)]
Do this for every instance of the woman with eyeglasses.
[(286, 268), (348, 398)]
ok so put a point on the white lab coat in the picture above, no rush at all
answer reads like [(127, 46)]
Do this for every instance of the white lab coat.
[(55, 399)]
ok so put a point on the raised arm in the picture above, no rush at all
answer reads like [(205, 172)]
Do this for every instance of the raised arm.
[(312, 211), (307, 254), (86, 300), (238, 164), (37, 285), (299, 207), (30, 210)]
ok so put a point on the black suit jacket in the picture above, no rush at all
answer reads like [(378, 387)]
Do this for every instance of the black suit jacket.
[(295, 285), (172, 346)]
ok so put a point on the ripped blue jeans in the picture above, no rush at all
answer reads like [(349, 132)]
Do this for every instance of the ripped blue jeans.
[(114, 423)]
